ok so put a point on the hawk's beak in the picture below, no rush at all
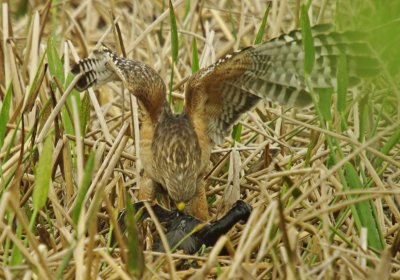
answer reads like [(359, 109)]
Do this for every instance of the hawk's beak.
[(181, 206)]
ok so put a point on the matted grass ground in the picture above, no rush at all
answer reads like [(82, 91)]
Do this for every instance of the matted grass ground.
[(324, 188)]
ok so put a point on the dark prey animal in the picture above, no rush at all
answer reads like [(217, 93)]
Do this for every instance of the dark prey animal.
[(178, 225)]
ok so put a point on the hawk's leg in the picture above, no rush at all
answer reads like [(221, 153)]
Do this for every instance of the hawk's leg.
[(147, 188), (198, 206)]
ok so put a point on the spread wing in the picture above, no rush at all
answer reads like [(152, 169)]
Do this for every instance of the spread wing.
[(219, 94)]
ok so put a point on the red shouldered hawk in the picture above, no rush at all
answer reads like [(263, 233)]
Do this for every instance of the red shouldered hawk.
[(175, 149)]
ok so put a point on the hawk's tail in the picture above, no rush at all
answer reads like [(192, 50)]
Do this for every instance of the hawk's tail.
[(94, 70)]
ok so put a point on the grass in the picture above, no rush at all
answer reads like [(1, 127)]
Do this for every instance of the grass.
[(323, 182)]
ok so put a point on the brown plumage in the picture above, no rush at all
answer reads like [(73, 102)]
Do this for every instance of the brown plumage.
[(175, 149)]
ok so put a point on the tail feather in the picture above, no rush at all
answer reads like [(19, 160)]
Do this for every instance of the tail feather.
[(94, 70), (86, 80)]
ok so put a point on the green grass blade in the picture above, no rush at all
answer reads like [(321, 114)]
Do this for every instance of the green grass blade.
[(84, 114), (135, 252), (342, 82), (7, 181), (171, 82), (392, 141), (174, 32), (363, 117), (308, 41), (16, 255), (237, 132), (37, 82), (22, 8), (43, 174), (324, 103), (187, 8), (313, 142), (261, 29), (66, 118), (87, 178), (4, 115), (364, 212), (65, 261), (195, 56), (57, 71), (174, 46), (232, 17), (55, 63)]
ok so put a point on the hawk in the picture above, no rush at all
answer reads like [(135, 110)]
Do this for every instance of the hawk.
[(175, 148)]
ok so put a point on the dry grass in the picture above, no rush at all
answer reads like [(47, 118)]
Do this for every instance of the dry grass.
[(303, 224)]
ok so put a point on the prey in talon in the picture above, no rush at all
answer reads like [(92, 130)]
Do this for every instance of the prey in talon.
[(185, 232)]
